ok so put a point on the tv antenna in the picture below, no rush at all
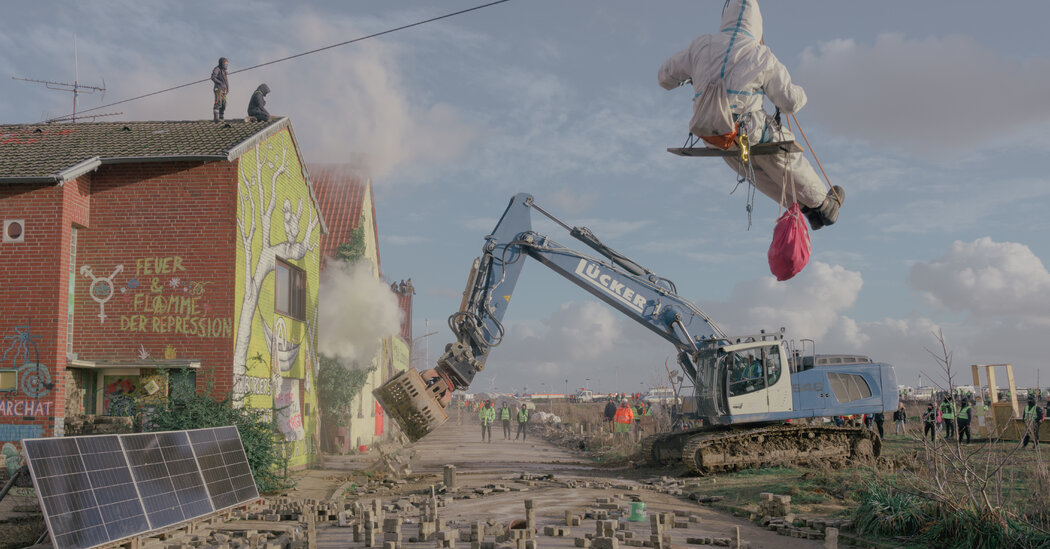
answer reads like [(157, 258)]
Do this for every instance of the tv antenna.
[(76, 88)]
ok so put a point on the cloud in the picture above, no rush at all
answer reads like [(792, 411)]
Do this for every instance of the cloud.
[(985, 277), (808, 306), (929, 95), (402, 240)]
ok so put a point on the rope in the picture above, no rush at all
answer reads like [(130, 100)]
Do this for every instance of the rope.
[(814, 153)]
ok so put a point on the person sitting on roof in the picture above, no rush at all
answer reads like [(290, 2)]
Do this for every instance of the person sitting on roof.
[(257, 105), (750, 72)]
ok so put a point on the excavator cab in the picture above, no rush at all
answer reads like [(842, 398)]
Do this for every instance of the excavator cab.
[(742, 382)]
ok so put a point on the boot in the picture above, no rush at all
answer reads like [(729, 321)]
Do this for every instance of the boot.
[(214, 116), (828, 211)]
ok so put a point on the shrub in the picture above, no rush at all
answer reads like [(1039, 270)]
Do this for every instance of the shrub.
[(263, 443)]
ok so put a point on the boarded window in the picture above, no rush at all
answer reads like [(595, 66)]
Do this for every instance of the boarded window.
[(8, 380), (849, 387)]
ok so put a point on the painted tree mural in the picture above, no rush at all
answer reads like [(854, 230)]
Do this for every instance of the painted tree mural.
[(257, 208)]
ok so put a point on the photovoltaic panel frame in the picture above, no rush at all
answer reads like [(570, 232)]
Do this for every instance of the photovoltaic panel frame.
[(101, 489), (85, 489), (224, 466)]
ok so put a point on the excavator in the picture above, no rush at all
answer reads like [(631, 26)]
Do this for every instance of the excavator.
[(751, 395)]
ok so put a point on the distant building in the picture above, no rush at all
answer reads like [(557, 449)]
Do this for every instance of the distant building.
[(348, 204), (140, 255)]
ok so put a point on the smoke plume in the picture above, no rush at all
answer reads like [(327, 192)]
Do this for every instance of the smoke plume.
[(356, 312)]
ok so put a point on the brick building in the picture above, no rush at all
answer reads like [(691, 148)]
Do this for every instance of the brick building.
[(140, 255), (347, 203)]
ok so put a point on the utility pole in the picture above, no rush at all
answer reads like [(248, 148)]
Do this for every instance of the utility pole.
[(76, 88)]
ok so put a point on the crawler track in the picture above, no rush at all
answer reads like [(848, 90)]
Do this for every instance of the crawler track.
[(715, 449)]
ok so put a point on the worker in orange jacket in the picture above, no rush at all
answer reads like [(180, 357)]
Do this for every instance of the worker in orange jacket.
[(623, 419)]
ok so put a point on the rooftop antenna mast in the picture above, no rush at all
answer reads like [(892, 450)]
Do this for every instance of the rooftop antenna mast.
[(76, 87)]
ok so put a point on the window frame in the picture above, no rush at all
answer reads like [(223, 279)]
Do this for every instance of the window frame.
[(296, 296)]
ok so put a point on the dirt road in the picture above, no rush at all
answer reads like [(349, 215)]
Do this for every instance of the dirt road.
[(490, 485)]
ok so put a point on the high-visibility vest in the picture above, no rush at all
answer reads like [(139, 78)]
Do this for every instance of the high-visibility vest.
[(487, 415), (504, 413), (1029, 413), (624, 415), (523, 415), (965, 412), (948, 410)]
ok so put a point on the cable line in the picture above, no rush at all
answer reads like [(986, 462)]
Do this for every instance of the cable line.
[(388, 31)]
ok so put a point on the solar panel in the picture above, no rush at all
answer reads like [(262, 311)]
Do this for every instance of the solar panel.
[(85, 489), (224, 466), (167, 477), (100, 489)]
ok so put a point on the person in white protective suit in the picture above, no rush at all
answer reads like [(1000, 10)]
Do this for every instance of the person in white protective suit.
[(751, 73)]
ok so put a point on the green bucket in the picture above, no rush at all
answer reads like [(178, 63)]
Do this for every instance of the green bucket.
[(637, 511)]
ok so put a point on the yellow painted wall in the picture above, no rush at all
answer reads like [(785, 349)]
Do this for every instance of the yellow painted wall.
[(275, 355)]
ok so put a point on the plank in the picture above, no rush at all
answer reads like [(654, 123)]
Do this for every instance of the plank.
[(757, 150)]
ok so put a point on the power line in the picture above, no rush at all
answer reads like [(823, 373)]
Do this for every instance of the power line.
[(388, 31)]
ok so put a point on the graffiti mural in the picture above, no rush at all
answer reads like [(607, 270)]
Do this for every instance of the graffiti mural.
[(169, 305), (12, 458), (276, 219), (101, 289), (34, 378)]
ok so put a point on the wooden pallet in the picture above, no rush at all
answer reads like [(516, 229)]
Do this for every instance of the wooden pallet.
[(757, 150)]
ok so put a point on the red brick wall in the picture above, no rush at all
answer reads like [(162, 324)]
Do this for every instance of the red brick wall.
[(171, 227), (34, 278)]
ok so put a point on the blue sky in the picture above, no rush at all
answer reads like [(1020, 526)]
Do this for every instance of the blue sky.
[(932, 115)]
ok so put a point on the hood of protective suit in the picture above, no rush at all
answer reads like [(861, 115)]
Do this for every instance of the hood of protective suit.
[(263, 88), (222, 60), (742, 16)]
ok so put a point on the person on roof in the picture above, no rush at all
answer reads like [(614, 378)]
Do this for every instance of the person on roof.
[(750, 72), (222, 87), (257, 105)]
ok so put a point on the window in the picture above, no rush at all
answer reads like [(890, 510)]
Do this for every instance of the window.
[(290, 293), (848, 387)]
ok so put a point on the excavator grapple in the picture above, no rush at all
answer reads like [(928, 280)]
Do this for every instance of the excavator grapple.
[(412, 404)]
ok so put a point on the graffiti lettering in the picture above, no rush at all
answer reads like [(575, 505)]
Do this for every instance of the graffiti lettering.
[(183, 325), (25, 408), (178, 305), (243, 385), (18, 432), (158, 265)]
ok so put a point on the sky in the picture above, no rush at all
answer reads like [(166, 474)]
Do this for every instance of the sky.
[(932, 115)]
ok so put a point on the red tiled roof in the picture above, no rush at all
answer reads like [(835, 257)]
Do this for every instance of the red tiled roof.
[(340, 191)]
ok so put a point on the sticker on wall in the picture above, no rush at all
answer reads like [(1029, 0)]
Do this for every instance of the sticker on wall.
[(101, 289)]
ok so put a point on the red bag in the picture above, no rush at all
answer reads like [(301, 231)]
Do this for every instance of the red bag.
[(789, 251)]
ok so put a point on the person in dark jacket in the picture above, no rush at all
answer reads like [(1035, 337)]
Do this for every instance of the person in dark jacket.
[(257, 106), (610, 413), (222, 87), (929, 422), (879, 420)]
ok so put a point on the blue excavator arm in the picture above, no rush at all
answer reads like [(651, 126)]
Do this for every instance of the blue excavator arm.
[(611, 277)]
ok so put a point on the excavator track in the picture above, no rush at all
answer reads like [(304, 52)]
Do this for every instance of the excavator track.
[(708, 450)]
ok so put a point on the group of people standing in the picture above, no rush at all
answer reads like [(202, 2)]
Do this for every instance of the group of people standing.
[(620, 418), (487, 415), (952, 415)]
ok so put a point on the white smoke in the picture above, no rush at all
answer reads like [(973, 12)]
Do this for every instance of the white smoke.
[(356, 312)]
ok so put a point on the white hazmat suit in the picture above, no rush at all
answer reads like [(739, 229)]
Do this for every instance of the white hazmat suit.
[(751, 72)]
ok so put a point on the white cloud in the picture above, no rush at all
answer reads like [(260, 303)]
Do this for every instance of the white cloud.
[(402, 240), (985, 277), (808, 306), (936, 94)]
